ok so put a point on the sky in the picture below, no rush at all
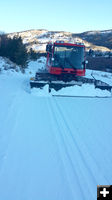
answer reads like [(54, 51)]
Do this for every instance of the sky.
[(74, 16)]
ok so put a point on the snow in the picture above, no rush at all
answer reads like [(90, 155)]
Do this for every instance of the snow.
[(99, 32), (106, 32), (84, 90), (91, 33), (41, 39), (100, 75), (41, 92), (43, 34), (41, 47), (52, 148), (34, 66)]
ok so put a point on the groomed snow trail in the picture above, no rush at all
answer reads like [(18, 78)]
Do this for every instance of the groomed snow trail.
[(52, 148)]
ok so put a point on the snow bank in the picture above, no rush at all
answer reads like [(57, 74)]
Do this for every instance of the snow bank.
[(34, 66), (6, 66), (44, 92), (84, 90)]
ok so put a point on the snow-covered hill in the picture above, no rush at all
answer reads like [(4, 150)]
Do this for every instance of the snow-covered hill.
[(52, 148), (37, 39), (99, 38)]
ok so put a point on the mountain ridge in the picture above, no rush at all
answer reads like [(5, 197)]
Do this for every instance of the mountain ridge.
[(38, 38)]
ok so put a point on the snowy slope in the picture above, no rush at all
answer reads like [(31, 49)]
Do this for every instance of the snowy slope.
[(52, 148), (37, 39)]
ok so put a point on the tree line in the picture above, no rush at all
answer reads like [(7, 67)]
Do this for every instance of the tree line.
[(15, 50)]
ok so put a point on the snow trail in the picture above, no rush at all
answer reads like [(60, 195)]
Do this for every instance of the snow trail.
[(52, 148)]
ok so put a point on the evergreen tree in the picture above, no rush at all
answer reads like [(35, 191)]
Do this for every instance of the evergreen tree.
[(33, 54), (14, 49)]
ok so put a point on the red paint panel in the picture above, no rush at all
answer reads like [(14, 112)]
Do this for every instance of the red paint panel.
[(58, 71), (69, 44)]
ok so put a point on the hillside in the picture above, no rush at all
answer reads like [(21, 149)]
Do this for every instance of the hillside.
[(99, 38), (37, 39)]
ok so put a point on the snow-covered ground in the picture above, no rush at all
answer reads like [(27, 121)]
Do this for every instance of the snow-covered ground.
[(51, 148), (100, 75)]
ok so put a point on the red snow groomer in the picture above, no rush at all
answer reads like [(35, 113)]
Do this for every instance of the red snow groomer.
[(65, 66), (65, 58)]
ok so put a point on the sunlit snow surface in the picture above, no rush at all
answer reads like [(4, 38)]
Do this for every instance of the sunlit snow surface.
[(52, 148)]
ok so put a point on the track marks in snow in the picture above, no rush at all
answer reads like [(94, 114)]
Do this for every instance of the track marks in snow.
[(32, 163), (9, 125), (69, 151), (83, 141), (83, 162), (52, 146)]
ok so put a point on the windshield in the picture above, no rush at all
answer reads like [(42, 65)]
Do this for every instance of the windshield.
[(68, 57)]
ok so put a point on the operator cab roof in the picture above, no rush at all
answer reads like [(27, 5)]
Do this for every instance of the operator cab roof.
[(62, 43)]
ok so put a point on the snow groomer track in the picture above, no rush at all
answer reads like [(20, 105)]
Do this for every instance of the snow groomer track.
[(52, 148)]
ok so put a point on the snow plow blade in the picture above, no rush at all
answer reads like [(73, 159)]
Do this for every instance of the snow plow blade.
[(71, 90), (69, 87), (58, 86), (76, 96), (103, 86), (53, 85)]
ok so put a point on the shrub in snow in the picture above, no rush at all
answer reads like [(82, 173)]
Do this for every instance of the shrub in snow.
[(32, 55)]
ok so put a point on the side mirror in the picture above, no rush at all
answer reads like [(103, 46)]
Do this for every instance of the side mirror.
[(86, 61)]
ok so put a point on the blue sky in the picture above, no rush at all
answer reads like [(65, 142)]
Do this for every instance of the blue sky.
[(61, 15)]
